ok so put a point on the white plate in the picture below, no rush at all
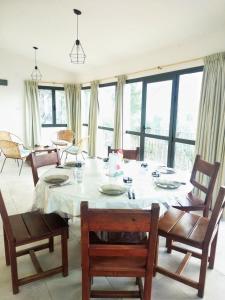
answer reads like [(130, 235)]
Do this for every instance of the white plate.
[(112, 189), (167, 184), (56, 179)]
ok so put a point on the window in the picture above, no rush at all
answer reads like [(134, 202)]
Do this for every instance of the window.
[(85, 104), (52, 104), (132, 115), (160, 115), (187, 117), (106, 100)]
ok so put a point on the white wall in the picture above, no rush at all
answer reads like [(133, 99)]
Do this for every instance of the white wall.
[(16, 69)]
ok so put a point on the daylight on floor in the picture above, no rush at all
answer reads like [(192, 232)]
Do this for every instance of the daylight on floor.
[(112, 149)]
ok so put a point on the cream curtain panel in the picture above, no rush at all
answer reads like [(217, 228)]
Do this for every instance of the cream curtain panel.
[(210, 140), (93, 119), (73, 104), (118, 115), (32, 114)]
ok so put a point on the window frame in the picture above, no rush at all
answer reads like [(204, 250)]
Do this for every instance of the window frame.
[(86, 88), (53, 90), (101, 86), (171, 138)]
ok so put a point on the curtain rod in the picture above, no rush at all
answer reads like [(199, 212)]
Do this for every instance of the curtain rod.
[(151, 69), (133, 73)]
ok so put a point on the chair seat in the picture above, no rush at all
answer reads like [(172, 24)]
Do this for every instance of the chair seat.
[(34, 225), (60, 143), (191, 202), (72, 150), (184, 227), (117, 265)]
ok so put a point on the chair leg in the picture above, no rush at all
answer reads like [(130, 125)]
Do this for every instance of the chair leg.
[(21, 167), (51, 244), (213, 252), (64, 253), (82, 155), (202, 275), (91, 280), (140, 287), (169, 244), (206, 212), (86, 285), (62, 155), (156, 257), (14, 272), (66, 156), (7, 259), (3, 164)]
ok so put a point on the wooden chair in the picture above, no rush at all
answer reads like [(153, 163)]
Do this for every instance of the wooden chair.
[(192, 202), (128, 154), (14, 151), (118, 260), (26, 228), (43, 159), (196, 231)]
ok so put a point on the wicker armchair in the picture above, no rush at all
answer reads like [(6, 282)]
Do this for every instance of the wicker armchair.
[(64, 138), (15, 151), (8, 136)]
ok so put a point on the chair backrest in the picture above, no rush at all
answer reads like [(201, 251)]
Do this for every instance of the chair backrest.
[(117, 220), (5, 135), (5, 219), (66, 135), (128, 154), (10, 149), (43, 159), (208, 169), (8, 136), (216, 216)]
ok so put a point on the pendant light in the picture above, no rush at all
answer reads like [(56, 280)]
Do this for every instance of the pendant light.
[(77, 55), (36, 74)]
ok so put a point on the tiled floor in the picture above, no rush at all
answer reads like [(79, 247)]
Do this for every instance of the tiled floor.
[(17, 192)]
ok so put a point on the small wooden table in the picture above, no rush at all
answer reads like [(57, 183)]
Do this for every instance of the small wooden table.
[(40, 149)]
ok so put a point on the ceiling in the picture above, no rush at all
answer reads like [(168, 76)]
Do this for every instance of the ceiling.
[(118, 36)]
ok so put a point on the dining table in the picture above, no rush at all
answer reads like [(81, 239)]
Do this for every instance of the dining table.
[(65, 198)]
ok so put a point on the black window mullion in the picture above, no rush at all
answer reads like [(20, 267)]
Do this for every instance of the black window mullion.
[(173, 120), (53, 107), (106, 128), (143, 118), (184, 141)]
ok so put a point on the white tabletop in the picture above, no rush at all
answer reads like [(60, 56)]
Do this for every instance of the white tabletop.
[(66, 199)]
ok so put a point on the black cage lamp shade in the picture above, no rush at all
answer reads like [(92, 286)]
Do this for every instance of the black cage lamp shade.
[(36, 73), (77, 54)]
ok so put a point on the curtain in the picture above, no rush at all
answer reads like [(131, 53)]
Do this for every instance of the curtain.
[(210, 140), (73, 105), (93, 119), (118, 115), (32, 114)]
